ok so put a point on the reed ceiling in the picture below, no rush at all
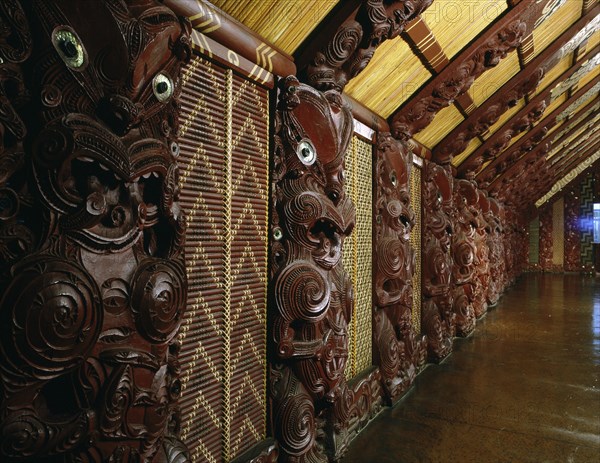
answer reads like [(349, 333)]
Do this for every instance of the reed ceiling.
[(401, 68)]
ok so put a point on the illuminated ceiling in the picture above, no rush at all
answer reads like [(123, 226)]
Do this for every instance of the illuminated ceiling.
[(564, 42)]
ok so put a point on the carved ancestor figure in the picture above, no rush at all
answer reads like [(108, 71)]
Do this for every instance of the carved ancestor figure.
[(311, 292), (480, 283), (464, 256), (495, 251), (399, 352), (438, 318), (92, 279)]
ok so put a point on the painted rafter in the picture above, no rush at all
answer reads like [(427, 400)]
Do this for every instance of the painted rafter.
[(502, 37), (537, 134), (524, 83), (496, 146)]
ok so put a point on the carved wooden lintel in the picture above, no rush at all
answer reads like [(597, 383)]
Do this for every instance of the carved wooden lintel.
[(486, 117), (398, 351), (92, 276)]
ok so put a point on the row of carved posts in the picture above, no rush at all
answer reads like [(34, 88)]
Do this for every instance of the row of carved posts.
[(91, 236)]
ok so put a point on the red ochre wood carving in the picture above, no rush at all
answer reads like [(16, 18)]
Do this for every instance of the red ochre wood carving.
[(93, 285), (479, 206), (444, 152), (311, 293), (398, 351), (418, 114), (438, 317), (351, 48), (495, 242), (464, 254)]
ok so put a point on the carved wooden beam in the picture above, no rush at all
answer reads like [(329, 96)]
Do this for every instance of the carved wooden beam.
[(355, 41), (526, 118), (92, 278), (227, 31), (516, 88), (398, 351), (486, 52), (504, 171), (537, 134)]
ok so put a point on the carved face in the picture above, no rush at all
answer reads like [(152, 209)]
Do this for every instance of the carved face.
[(312, 293), (101, 150)]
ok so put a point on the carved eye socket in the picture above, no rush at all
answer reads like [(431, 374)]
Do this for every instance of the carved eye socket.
[(69, 47), (162, 85), (306, 152), (393, 178)]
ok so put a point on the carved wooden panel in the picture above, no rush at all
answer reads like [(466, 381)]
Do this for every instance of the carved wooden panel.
[(464, 256), (92, 273), (438, 318), (479, 208), (495, 252), (546, 237), (358, 254), (312, 296), (224, 175), (398, 351)]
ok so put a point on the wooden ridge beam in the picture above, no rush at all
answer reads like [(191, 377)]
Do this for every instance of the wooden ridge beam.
[(502, 37), (524, 83)]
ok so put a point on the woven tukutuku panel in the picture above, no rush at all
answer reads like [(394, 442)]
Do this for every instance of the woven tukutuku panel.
[(415, 241), (558, 232), (357, 257), (224, 165), (534, 241), (587, 214)]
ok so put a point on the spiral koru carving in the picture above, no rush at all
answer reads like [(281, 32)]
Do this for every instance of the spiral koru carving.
[(399, 351), (158, 298), (92, 281), (439, 321), (52, 314), (312, 294)]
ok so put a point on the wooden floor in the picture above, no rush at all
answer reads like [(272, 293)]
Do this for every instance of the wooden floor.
[(525, 387)]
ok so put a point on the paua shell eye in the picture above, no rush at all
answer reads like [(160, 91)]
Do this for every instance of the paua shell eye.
[(69, 47), (306, 152), (393, 178), (162, 86)]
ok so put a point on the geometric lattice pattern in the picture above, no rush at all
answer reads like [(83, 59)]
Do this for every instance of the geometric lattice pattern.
[(415, 241), (558, 232), (586, 220), (534, 241), (224, 175), (357, 257)]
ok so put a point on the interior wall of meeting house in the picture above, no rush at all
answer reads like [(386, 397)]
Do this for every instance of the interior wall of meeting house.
[(238, 231)]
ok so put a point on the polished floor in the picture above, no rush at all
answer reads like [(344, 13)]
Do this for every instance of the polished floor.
[(525, 387)]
